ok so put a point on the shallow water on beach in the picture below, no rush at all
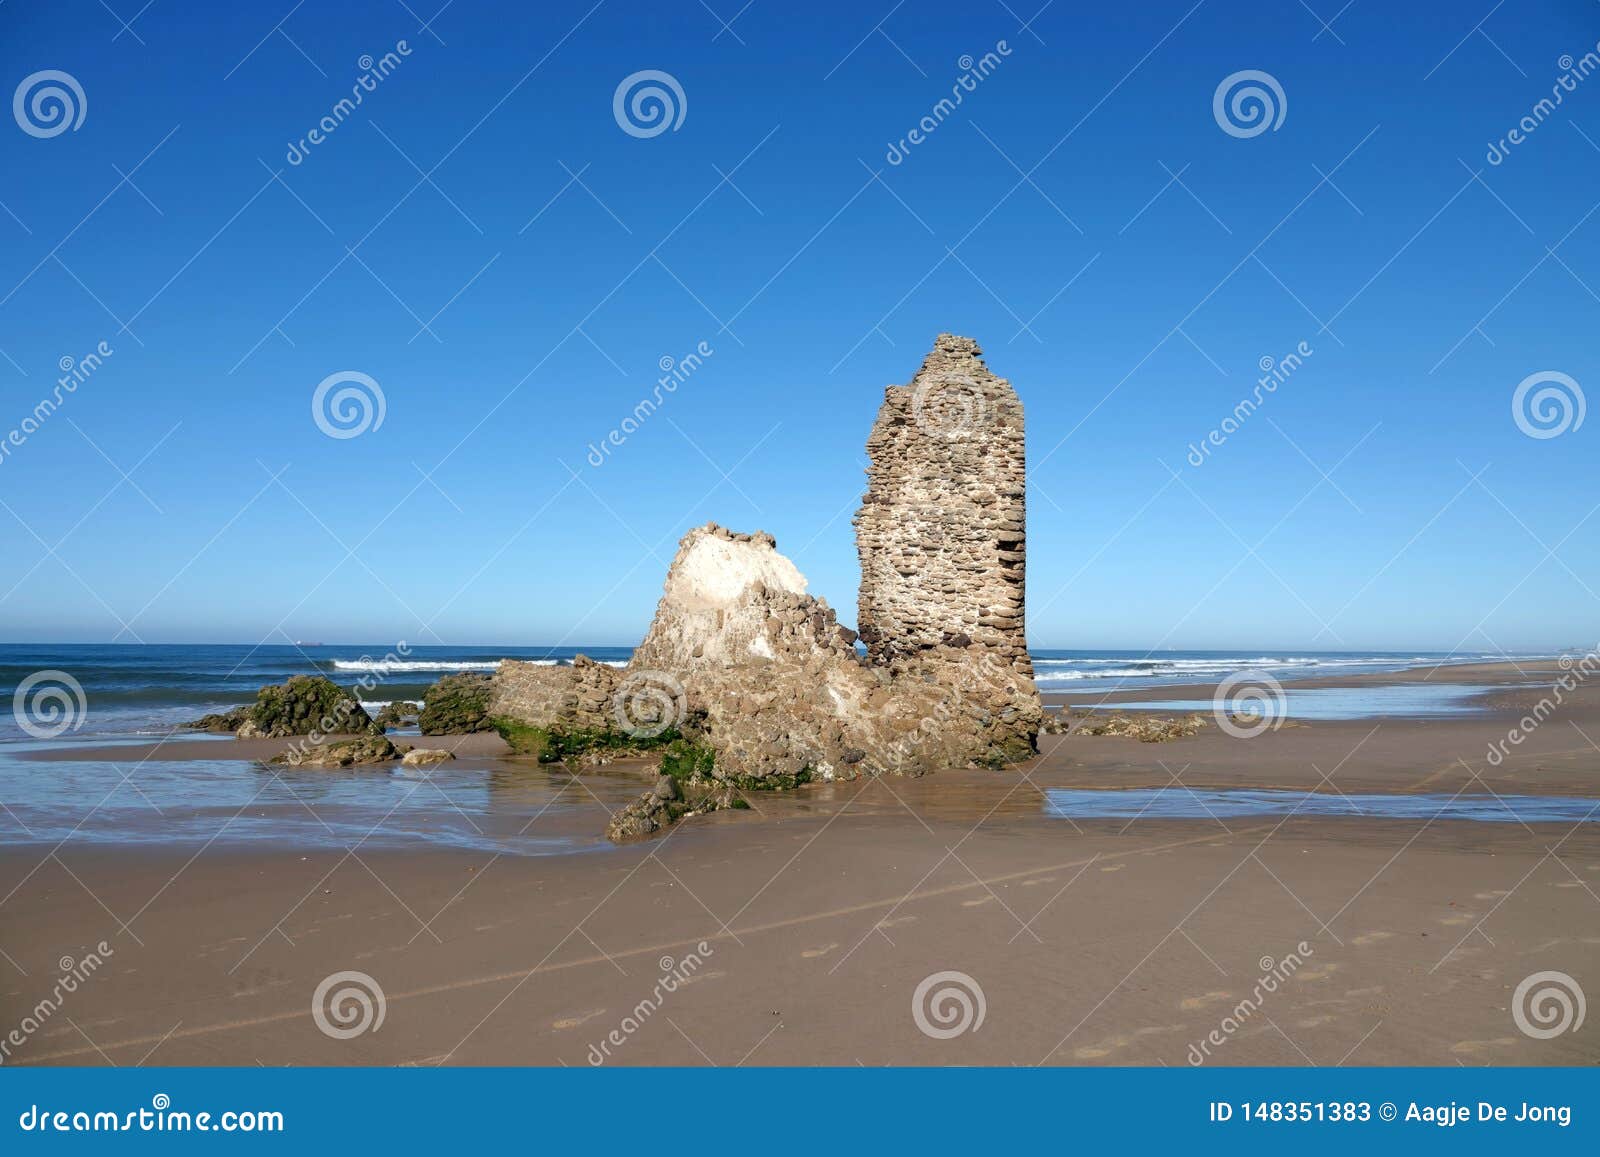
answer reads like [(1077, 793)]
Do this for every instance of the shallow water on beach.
[(125, 689), (1081, 672), (1412, 700), (510, 808), (149, 689), (1176, 802)]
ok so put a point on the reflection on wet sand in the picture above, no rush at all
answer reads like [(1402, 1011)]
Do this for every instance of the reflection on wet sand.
[(511, 806), (1187, 803)]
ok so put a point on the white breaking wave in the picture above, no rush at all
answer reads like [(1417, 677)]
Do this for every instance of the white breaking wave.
[(1230, 664), (419, 665), (1047, 670), (1068, 676), (1153, 670)]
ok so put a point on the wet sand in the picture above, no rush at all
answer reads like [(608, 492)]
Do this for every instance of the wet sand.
[(1104, 942), (189, 745)]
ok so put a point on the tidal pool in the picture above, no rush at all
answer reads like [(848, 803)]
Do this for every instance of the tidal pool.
[(1177, 802), (1408, 700)]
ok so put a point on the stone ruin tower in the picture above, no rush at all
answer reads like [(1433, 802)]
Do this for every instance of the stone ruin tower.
[(941, 534), (741, 657)]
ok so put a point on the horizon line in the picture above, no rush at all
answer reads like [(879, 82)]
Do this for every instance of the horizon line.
[(1538, 651)]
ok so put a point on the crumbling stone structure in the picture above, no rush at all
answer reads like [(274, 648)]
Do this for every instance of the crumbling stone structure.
[(941, 532), (575, 698), (767, 675), (742, 658)]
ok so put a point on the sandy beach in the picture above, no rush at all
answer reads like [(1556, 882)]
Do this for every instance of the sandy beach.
[(799, 932), (577, 545)]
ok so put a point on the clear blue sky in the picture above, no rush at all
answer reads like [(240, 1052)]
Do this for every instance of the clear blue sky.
[(1355, 226)]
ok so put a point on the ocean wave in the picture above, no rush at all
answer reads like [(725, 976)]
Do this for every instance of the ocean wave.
[(1057, 673), (114, 699), (419, 664), (1069, 676), (1126, 668), (1229, 663), (1146, 671)]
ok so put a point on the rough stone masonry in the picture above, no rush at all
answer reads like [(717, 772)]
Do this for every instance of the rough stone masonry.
[(742, 656), (941, 532)]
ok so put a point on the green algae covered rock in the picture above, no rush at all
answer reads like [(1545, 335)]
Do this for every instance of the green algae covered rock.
[(306, 704), (456, 705)]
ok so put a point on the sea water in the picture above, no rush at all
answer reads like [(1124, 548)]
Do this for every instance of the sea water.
[(139, 689), (1178, 802), (1408, 700)]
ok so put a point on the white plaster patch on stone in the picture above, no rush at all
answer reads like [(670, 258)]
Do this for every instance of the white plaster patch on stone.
[(760, 646), (717, 571)]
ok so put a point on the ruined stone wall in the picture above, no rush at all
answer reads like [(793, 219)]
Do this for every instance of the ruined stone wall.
[(941, 532), (577, 698), (741, 656), (776, 684)]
